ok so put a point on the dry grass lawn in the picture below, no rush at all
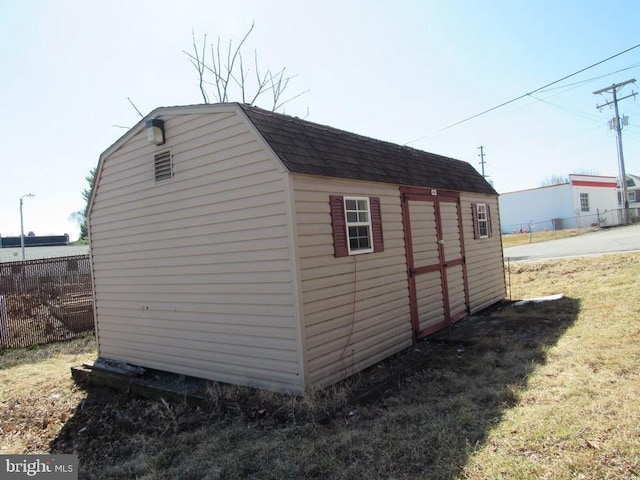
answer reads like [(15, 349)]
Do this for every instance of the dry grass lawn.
[(541, 391), (513, 240), (37, 394), (579, 416)]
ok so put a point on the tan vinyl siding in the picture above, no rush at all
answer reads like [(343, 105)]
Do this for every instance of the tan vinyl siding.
[(485, 270), (193, 274), (456, 289), (356, 308), (423, 233), (430, 305)]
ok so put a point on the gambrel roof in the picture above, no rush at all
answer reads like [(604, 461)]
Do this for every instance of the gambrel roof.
[(314, 149), (306, 147)]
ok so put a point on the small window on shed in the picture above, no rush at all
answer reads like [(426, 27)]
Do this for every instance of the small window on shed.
[(163, 166), (357, 225), (481, 220)]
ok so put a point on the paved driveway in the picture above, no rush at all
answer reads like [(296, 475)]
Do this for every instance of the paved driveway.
[(620, 239)]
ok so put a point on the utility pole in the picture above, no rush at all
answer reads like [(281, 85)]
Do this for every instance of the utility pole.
[(482, 162), (22, 223), (618, 127)]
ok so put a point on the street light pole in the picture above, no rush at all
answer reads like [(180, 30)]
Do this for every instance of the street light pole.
[(22, 223)]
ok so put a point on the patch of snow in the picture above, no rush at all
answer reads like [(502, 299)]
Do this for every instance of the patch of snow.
[(548, 298)]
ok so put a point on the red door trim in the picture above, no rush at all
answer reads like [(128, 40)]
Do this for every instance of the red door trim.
[(425, 269), (442, 267), (424, 193), (463, 252), (419, 194), (454, 263), (408, 248)]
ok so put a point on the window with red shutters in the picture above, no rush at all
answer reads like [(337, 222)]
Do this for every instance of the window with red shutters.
[(357, 225)]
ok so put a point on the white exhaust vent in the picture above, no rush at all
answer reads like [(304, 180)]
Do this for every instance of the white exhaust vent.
[(162, 165)]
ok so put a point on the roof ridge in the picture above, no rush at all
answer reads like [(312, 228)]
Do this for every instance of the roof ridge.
[(308, 123)]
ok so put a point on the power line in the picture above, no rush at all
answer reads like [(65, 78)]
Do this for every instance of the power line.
[(573, 111), (523, 95), (588, 80)]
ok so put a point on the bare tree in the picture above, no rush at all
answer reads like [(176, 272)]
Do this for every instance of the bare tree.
[(554, 180), (135, 108), (224, 76)]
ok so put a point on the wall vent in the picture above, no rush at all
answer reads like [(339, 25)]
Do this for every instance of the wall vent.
[(162, 166)]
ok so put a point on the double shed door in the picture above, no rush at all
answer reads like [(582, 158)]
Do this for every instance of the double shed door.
[(438, 289)]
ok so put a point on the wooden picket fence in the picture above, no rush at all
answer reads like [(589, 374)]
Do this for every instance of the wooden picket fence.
[(45, 300)]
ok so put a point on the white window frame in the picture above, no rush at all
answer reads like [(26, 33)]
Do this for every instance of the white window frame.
[(483, 220), (358, 223), (632, 196), (584, 206)]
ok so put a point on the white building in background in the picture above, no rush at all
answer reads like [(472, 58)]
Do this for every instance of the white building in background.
[(585, 200), (633, 192)]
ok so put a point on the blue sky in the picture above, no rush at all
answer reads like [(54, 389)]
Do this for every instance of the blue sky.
[(395, 70)]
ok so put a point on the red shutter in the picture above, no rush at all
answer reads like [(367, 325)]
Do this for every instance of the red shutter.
[(376, 224), (339, 226), (488, 222), (474, 216)]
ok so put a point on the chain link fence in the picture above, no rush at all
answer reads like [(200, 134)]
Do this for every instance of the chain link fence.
[(45, 300), (604, 219)]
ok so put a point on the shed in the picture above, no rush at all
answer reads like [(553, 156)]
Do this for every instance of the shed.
[(260, 249)]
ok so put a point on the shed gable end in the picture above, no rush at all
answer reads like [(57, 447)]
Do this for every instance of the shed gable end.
[(191, 255)]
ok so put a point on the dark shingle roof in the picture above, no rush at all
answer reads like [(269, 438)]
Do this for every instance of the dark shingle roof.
[(305, 147)]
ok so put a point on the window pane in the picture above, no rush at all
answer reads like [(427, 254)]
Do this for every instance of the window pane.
[(584, 202), (358, 223), (481, 209), (359, 238)]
